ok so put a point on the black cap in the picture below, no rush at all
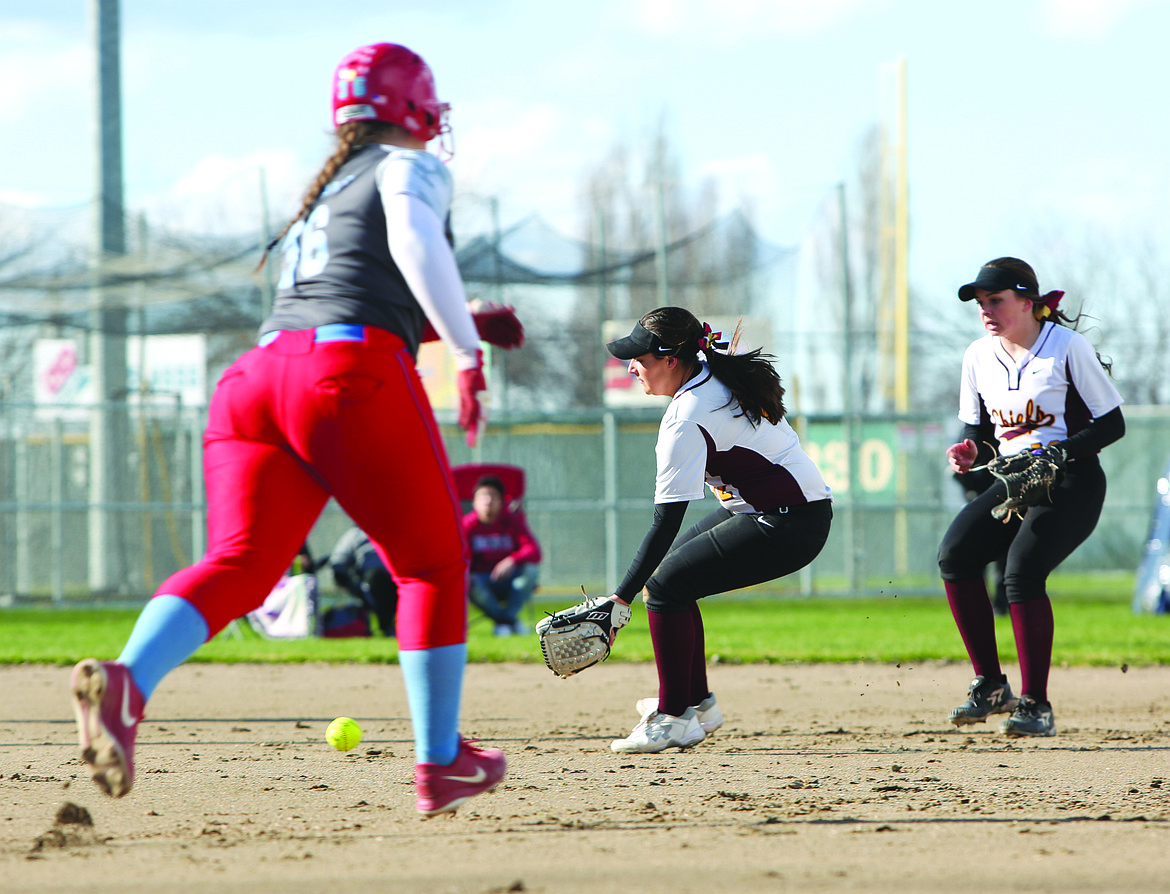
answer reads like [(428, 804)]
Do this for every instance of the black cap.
[(640, 341), (993, 279)]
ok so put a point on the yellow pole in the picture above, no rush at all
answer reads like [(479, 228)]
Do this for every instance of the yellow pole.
[(885, 254), (902, 253), (902, 308)]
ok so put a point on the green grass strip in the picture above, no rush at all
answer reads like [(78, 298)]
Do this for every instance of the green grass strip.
[(1094, 626)]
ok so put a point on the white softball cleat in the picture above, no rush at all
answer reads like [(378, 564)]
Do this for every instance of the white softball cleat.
[(657, 731), (710, 717)]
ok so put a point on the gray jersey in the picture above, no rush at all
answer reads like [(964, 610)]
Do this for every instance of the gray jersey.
[(336, 264)]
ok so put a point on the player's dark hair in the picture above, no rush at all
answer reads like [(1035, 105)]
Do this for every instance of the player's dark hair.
[(1027, 278), (750, 377), (492, 481), (351, 135)]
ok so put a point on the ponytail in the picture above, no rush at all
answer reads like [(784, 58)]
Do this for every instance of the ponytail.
[(752, 380), (1044, 307)]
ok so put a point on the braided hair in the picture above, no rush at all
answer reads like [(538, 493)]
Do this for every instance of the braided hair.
[(351, 136), (750, 377)]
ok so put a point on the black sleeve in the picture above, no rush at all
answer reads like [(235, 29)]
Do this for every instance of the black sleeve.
[(668, 519), (1101, 432)]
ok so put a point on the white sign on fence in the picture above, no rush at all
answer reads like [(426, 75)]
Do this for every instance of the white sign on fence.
[(173, 368)]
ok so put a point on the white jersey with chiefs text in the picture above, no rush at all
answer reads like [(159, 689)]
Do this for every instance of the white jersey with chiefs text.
[(1053, 392)]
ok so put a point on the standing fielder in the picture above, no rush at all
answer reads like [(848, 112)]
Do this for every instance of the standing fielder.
[(1031, 385), (329, 404)]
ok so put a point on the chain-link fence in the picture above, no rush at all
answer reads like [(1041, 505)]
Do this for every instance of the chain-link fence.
[(71, 538)]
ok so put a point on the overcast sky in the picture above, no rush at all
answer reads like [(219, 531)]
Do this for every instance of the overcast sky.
[(1023, 116)]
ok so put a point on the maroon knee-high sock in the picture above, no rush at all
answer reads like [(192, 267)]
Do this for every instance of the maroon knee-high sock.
[(1032, 624), (699, 689), (971, 608), (673, 635)]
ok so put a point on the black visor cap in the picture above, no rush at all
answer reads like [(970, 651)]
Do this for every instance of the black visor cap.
[(640, 341), (993, 279)]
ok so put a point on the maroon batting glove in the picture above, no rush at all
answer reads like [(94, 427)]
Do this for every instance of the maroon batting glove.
[(498, 325)]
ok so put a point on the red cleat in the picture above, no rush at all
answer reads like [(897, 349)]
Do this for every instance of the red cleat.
[(442, 789), (108, 706)]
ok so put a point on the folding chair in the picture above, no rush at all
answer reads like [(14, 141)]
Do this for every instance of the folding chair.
[(514, 480)]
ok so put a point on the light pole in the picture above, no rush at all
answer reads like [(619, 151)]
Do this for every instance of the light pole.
[(108, 440)]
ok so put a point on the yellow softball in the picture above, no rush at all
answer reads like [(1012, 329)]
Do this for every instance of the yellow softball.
[(343, 734)]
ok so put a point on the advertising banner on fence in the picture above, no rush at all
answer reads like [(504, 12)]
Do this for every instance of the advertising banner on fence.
[(62, 385), (173, 369)]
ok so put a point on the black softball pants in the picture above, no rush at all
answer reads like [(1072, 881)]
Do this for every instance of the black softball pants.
[(730, 550), (1048, 534)]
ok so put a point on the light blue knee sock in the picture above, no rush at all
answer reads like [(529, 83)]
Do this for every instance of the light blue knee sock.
[(168, 632), (434, 686)]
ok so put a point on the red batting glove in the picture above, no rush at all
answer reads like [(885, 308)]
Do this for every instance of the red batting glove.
[(471, 384), (498, 325)]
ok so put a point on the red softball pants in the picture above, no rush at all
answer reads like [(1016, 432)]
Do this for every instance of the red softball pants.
[(297, 421)]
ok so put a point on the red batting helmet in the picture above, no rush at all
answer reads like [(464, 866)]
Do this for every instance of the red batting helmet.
[(388, 82)]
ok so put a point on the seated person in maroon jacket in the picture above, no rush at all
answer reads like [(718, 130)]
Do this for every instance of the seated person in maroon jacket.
[(504, 556)]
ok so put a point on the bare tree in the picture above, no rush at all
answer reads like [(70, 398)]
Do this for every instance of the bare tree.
[(636, 206), (1118, 286), (871, 329)]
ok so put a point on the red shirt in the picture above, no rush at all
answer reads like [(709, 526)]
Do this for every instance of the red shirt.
[(507, 536)]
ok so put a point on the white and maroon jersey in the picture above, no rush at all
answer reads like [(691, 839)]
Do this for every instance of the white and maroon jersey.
[(1056, 390), (338, 256), (749, 468)]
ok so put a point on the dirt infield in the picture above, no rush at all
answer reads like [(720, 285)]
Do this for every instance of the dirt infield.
[(824, 778)]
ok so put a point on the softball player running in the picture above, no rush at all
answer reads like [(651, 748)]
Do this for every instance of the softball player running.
[(329, 404), (724, 427), (1031, 384)]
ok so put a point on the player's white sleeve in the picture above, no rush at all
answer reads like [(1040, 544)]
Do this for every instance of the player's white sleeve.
[(970, 403), (419, 247), (681, 453), (1090, 379)]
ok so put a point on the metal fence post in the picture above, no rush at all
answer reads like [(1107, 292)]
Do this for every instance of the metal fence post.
[(20, 472), (609, 450), (56, 516)]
